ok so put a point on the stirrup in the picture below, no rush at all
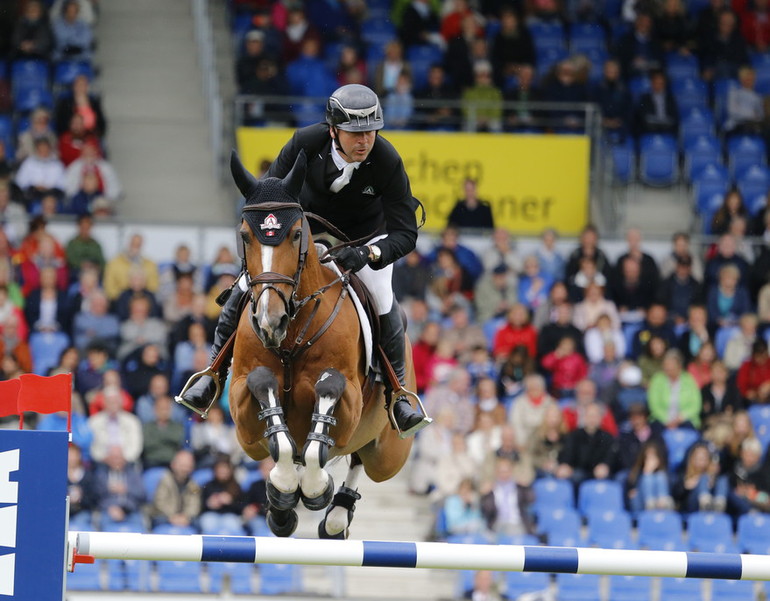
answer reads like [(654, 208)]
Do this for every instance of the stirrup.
[(394, 396), (194, 378)]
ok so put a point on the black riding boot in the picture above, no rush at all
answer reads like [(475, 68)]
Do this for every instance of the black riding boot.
[(203, 392), (393, 341)]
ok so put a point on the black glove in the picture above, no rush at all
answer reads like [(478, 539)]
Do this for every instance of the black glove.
[(353, 259)]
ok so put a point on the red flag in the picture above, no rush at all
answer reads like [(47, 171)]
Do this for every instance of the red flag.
[(9, 393), (45, 394)]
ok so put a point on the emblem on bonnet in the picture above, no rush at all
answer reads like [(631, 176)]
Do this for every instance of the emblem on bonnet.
[(368, 190), (270, 223)]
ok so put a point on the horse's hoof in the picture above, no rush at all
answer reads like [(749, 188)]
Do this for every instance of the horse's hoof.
[(282, 523), (322, 500), (322, 533), (282, 501)]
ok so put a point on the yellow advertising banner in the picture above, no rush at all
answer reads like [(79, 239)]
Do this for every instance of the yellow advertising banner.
[(531, 181)]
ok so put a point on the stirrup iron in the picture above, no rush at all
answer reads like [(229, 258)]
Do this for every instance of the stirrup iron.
[(394, 396), (209, 371)]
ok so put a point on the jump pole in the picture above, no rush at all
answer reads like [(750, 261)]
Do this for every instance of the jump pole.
[(452, 556)]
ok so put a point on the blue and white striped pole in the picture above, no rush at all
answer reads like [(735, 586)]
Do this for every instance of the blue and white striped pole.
[(515, 558)]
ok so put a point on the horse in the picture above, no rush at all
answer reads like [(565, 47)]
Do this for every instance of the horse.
[(299, 365)]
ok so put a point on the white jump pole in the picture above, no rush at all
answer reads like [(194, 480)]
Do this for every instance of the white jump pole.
[(514, 558)]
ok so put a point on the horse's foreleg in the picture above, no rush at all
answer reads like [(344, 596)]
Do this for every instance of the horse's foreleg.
[(316, 483), (340, 513), (283, 481)]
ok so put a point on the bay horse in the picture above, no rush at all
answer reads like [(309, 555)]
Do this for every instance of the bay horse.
[(299, 365)]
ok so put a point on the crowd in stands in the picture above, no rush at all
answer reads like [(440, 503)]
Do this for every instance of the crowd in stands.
[(52, 126)]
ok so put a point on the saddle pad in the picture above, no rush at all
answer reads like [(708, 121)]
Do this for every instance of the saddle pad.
[(363, 320)]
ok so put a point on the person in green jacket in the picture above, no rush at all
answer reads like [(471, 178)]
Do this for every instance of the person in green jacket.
[(673, 396), (482, 104)]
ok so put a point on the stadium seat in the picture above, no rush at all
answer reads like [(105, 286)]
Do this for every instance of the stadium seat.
[(695, 123), (277, 579), (421, 58), (658, 160), (689, 94), (87, 577), (179, 577), (722, 337), (46, 347), (66, 72), (241, 577), (629, 588), (760, 419), (609, 529), (522, 583), (623, 161), (699, 152), (585, 37), (681, 589), (552, 493), (151, 478), (564, 522), (29, 74), (378, 31), (754, 533), (548, 57), (678, 441), (754, 184), (172, 529), (202, 475), (660, 530), (526, 540), (307, 112), (637, 86), (28, 99), (596, 496), (708, 530), (721, 88), (712, 180), (745, 151), (732, 590), (761, 63), (547, 35), (682, 66), (578, 587), (127, 575)]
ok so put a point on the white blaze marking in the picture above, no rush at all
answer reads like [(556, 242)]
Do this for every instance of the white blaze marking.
[(267, 264)]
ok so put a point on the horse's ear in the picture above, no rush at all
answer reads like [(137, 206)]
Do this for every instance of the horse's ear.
[(243, 179), (295, 179)]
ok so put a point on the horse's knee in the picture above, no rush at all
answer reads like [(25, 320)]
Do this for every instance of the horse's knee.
[(261, 381), (331, 384)]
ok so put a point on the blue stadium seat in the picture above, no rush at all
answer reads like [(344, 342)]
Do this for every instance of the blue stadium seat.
[(179, 577), (629, 588), (712, 180), (133, 523), (754, 533), (203, 475), (753, 184), (521, 583), (585, 37), (682, 66), (172, 529), (28, 99), (623, 161), (241, 577), (681, 589), (658, 160), (578, 587), (128, 575), (761, 63), (548, 57), (660, 530), (638, 85), (609, 529), (275, 579), (745, 151), (564, 522), (307, 113), (378, 31), (45, 348), (552, 493), (760, 419), (721, 88), (6, 128), (722, 337), (708, 530), (86, 577), (678, 441), (600, 495), (526, 540), (421, 58), (547, 35), (732, 590), (29, 74), (151, 477), (695, 123), (597, 57), (65, 73), (689, 94), (699, 152)]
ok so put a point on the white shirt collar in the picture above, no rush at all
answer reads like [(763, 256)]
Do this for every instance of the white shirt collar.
[(340, 162)]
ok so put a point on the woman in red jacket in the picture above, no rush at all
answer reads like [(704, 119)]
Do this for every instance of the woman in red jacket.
[(516, 331), (754, 375)]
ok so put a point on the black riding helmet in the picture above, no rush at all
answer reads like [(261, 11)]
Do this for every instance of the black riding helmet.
[(354, 108)]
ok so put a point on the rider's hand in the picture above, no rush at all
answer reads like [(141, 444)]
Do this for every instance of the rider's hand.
[(352, 259)]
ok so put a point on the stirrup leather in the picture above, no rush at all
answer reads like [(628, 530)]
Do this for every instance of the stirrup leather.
[(209, 371), (391, 399)]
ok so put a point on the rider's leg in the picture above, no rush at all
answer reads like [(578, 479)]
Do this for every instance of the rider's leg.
[(202, 393), (393, 343)]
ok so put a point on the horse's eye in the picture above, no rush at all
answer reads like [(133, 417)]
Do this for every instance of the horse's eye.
[(245, 238), (297, 235)]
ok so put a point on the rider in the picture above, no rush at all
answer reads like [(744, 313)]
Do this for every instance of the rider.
[(356, 181)]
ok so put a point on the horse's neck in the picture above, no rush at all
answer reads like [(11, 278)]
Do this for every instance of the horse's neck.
[(314, 275)]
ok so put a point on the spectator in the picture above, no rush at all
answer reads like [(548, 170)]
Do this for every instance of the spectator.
[(254, 52), (141, 366), (523, 92), (724, 51), (657, 112), (480, 365), (589, 452), (433, 103), (431, 447), (450, 240), (601, 334), (565, 86), (672, 28), (680, 291), (732, 206), (39, 127), (410, 277), (268, 80), (298, 31), (351, 68), (726, 252), (214, 437), (753, 378), (423, 351), (389, 69), (13, 345), (593, 305), (547, 442), (517, 330), (512, 47), (648, 485), (116, 274), (700, 366), (638, 50), (680, 247), (163, 437), (728, 300), (588, 247), (79, 292), (451, 283), (566, 368), (140, 329), (634, 434), (745, 107), (706, 22), (83, 247), (41, 172), (88, 198), (529, 409), (12, 215), (88, 11), (739, 346), (45, 308), (90, 373), (115, 428), (696, 333), (516, 367), (470, 211), (651, 359), (185, 350), (614, 101), (462, 334), (484, 587), (700, 486), (755, 24), (119, 488), (137, 288), (655, 324), (495, 294), (502, 252), (574, 411), (91, 161), (177, 499), (145, 404), (9, 309), (721, 399), (534, 284), (750, 487), (179, 303), (81, 490), (506, 506), (73, 37), (82, 102), (456, 395), (222, 500), (47, 255), (551, 334), (32, 36), (462, 510), (419, 24), (255, 509), (482, 103), (399, 103), (488, 405), (673, 396)]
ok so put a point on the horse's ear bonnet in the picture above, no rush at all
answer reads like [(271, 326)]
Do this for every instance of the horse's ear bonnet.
[(270, 226)]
